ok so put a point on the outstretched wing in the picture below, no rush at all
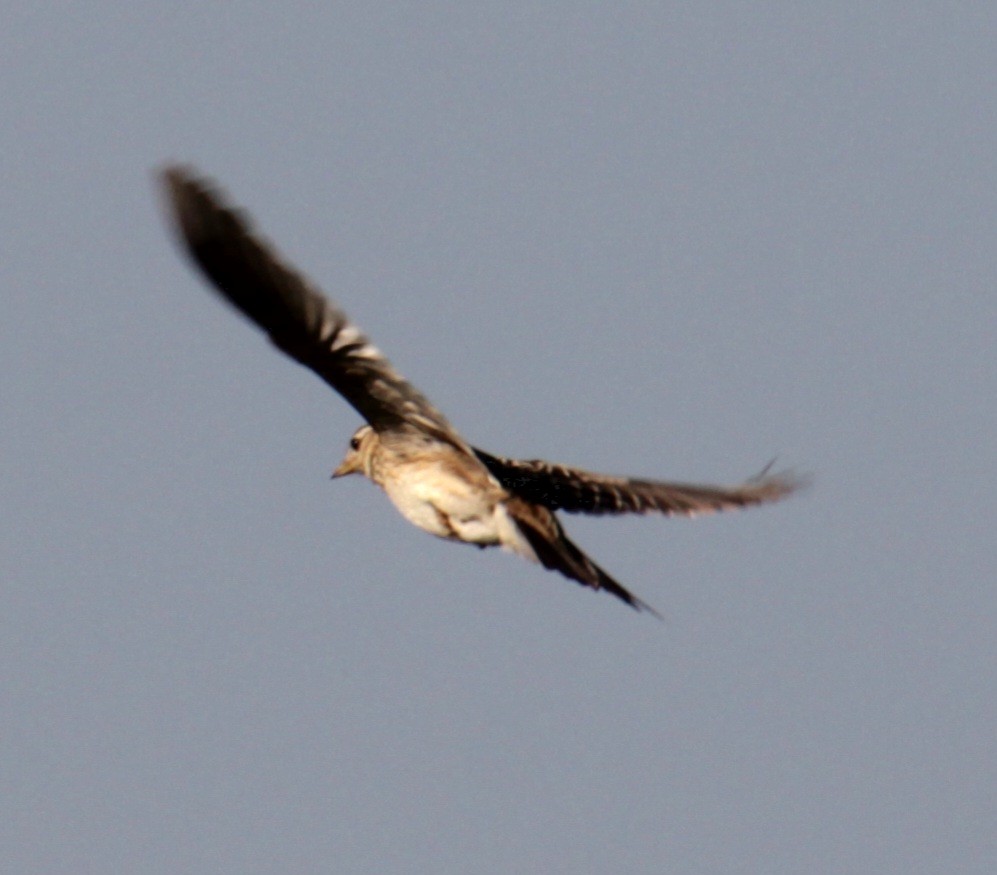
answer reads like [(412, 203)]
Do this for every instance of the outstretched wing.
[(299, 320), (576, 491), (555, 551)]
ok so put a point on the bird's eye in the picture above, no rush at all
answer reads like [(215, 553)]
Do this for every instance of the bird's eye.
[(354, 443)]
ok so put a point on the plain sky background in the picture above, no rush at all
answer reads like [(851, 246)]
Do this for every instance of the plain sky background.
[(669, 240)]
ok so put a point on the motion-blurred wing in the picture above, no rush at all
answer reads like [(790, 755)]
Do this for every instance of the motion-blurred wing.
[(576, 491), (249, 273)]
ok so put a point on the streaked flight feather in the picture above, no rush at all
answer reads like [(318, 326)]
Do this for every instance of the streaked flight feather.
[(298, 318), (574, 490)]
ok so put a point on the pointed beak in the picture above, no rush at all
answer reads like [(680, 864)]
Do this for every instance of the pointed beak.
[(347, 466)]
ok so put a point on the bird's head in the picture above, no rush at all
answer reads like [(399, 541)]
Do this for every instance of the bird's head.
[(358, 458)]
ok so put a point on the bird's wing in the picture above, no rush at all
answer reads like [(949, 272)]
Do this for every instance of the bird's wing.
[(557, 552), (575, 491), (299, 320)]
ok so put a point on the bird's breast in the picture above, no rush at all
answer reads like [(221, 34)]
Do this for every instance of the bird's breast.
[(446, 502)]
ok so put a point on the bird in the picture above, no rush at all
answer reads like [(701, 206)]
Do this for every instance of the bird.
[(432, 475)]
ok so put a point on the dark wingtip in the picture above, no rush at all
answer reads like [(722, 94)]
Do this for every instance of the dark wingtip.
[(643, 607), (601, 580), (174, 178), (180, 188)]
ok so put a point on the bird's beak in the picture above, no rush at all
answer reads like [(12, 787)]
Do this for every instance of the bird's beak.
[(349, 465)]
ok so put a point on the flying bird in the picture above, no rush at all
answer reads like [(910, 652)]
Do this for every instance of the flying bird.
[(437, 480)]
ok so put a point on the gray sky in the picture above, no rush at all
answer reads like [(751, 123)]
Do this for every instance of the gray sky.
[(642, 238)]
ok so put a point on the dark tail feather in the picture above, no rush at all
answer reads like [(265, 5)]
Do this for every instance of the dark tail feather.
[(560, 554)]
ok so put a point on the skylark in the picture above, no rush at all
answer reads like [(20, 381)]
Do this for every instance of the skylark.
[(437, 480)]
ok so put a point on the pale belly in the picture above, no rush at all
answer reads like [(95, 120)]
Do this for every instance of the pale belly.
[(447, 506), (444, 507)]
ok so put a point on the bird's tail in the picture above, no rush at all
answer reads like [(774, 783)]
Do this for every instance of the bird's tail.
[(557, 552)]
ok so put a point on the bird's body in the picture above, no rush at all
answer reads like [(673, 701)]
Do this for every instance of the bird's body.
[(436, 480), (449, 496)]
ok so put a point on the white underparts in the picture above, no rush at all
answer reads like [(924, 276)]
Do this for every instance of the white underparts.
[(447, 506)]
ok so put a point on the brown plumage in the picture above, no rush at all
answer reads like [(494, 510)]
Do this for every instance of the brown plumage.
[(435, 479), (576, 491)]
